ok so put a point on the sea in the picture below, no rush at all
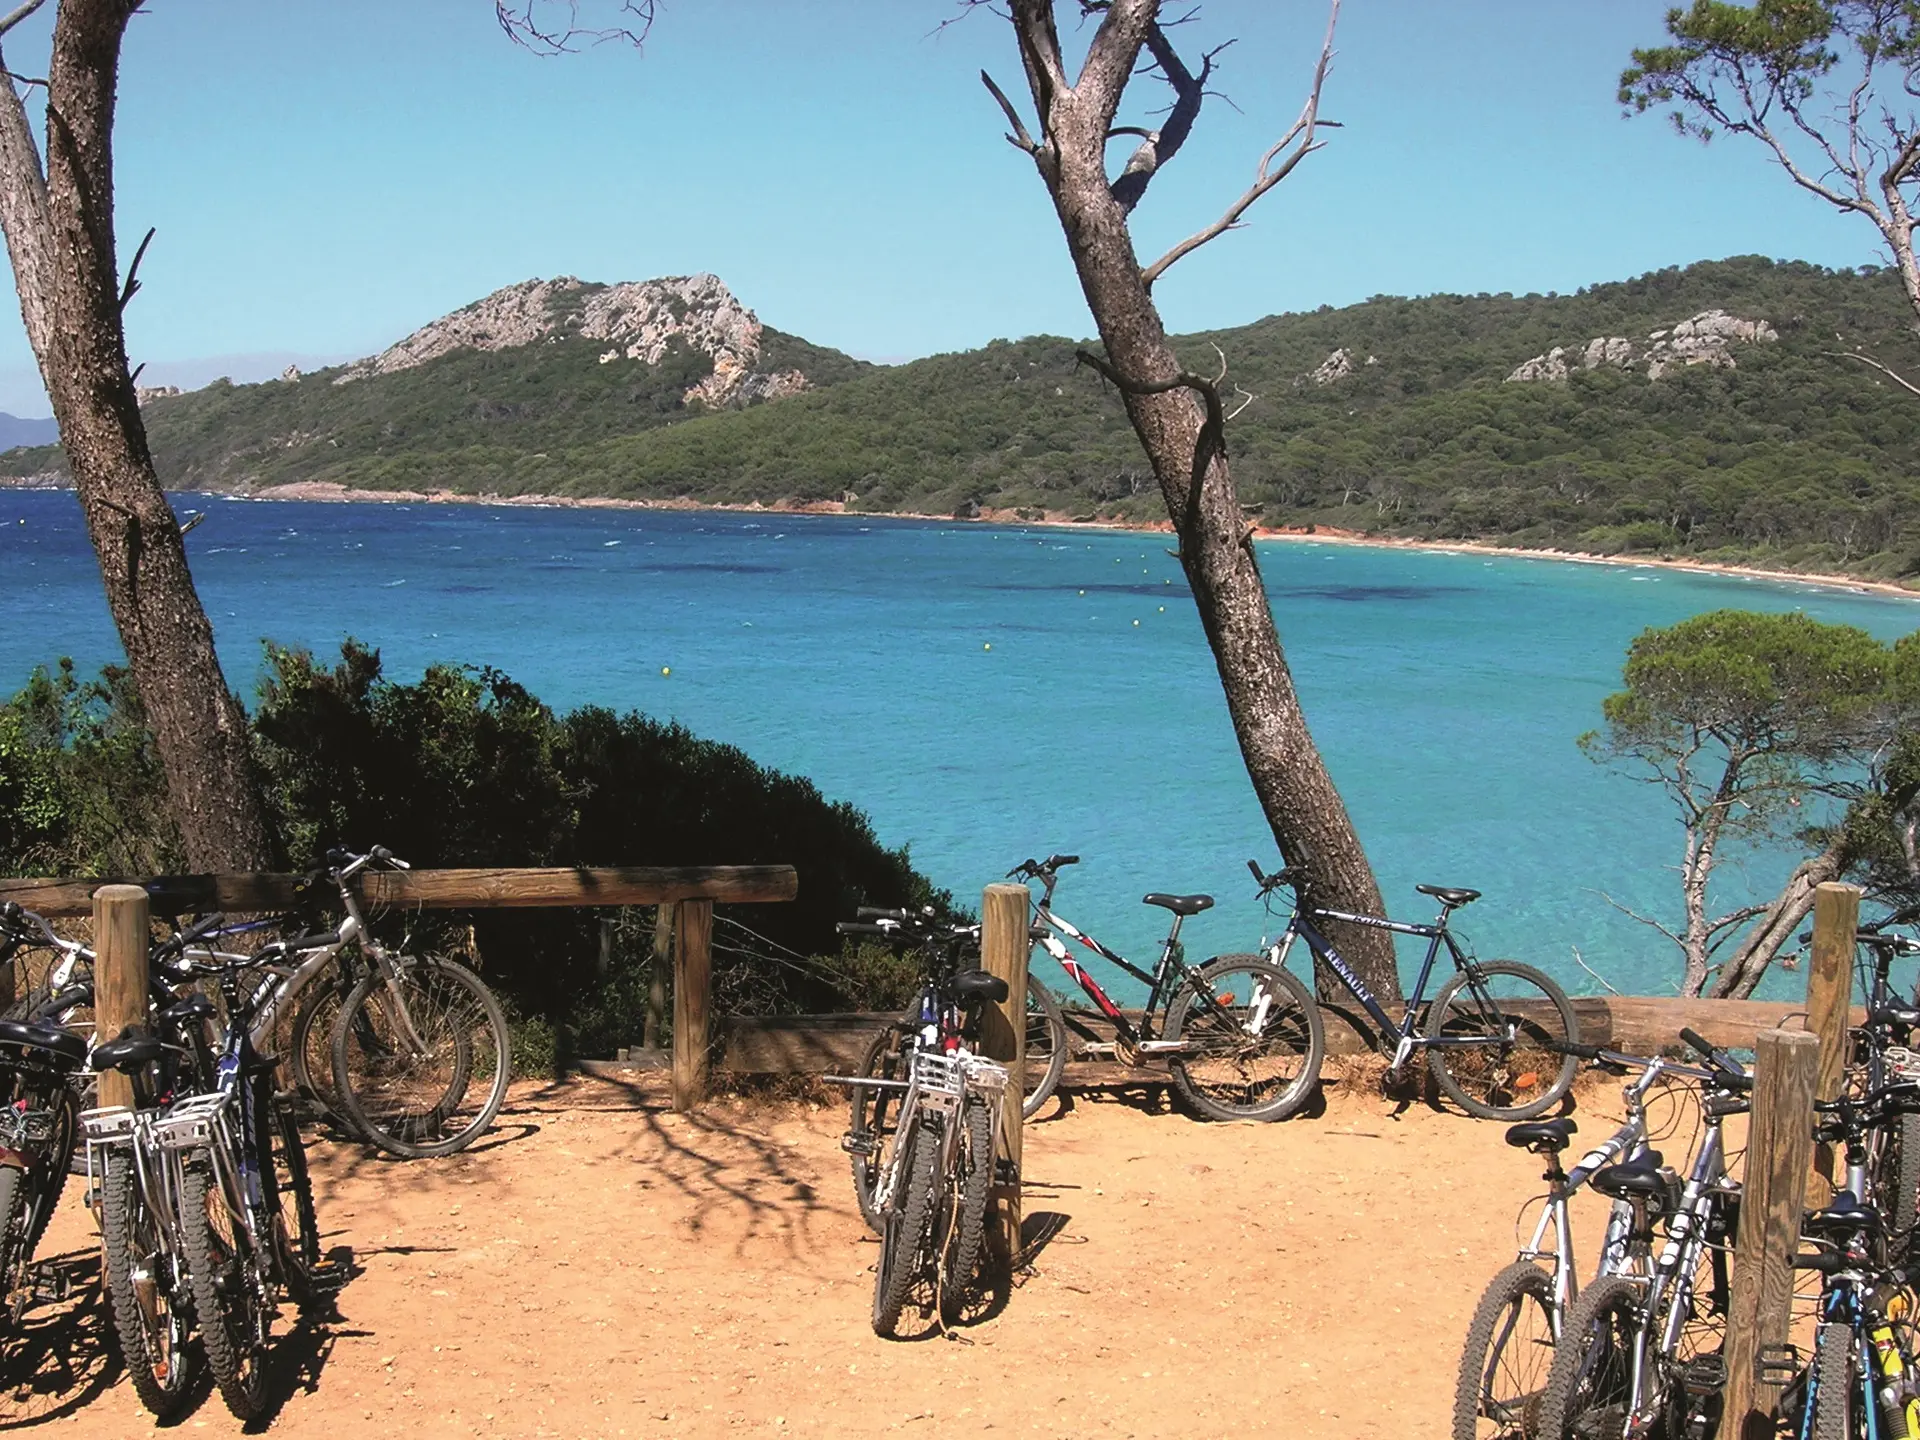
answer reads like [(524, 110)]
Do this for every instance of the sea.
[(987, 693)]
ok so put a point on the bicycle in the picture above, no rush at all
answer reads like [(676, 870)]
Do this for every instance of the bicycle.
[(1523, 1310), (929, 1190), (39, 1131), (1642, 1350), (1495, 1031), (1242, 1038)]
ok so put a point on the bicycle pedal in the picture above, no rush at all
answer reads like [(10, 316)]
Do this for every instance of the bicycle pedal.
[(1777, 1364), (1704, 1375), (857, 1144), (50, 1285)]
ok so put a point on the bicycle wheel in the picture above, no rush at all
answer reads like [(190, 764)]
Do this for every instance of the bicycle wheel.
[(875, 1115), (309, 1050), (48, 1177), (1835, 1395), (1484, 1070), (957, 1285), (233, 1316), (1589, 1393), (1503, 1370), (1897, 1186), (906, 1242), (1046, 1047), (296, 1229), (421, 1065), (1254, 1054), (146, 1293)]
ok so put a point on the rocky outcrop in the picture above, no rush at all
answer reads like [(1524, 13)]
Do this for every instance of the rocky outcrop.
[(1337, 366), (1704, 339), (637, 321), (143, 393)]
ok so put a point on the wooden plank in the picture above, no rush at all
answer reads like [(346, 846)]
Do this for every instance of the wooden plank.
[(1644, 1023), (797, 1044), (1836, 915), (657, 980), (121, 929), (692, 1003), (1779, 1144), (1005, 943), (431, 889)]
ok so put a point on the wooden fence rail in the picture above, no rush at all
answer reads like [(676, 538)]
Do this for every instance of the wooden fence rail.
[(690, 890)]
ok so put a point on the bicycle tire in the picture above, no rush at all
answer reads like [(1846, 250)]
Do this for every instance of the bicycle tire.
[(1833, 1405), (1905, 1179), (154, 1337), (1047, 1044), (415, 1105), (1510, 1335), (1589, 1384), (958, 1285), (49, 1176), (1290, 1042), (296, 1227), (233, 1325), (906, 1242), (872, 1120), (310, 1052), (13, 1226), (1467, 1072)]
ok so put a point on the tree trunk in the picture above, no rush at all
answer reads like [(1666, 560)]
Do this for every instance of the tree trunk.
[(1308, 819), (1776, 924), (59, 230)]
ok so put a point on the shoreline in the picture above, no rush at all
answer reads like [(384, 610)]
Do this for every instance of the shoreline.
[(331, 492)]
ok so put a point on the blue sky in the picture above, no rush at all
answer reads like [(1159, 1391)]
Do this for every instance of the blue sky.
[(325, 175)]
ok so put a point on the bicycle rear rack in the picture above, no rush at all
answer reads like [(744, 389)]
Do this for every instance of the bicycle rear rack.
[(191, 1123)]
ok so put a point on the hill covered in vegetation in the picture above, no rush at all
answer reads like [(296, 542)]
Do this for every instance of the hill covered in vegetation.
[(1704, 411)]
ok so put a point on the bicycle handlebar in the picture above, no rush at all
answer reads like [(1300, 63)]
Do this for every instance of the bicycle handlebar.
[(1719, 1059), (1031, 869)]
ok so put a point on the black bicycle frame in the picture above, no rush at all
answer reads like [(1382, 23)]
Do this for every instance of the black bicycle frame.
[(1159, 981), (1435, 936)]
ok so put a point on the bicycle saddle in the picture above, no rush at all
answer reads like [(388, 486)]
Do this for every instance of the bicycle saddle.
[(1844, 1214), (1179, 904), (132, 1050), (970, 986), (195, 1007), (61, 1044), (1446, 895), (1905, 1016), (1541, 1136), (1637, 1179)]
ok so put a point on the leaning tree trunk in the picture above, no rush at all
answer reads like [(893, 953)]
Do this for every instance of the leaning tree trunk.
[(59, 230), (1185, 446), (1775, 925)]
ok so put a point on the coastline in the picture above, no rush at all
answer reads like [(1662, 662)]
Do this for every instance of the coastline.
[(331, 492)]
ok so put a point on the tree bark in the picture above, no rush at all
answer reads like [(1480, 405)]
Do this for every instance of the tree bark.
[(1188, 454), (1775, 926), (59, 230)]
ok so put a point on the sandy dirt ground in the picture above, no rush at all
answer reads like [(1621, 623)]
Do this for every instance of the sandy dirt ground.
[(602, 1267)]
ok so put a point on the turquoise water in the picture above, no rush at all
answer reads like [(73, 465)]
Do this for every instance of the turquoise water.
[(991, 693)]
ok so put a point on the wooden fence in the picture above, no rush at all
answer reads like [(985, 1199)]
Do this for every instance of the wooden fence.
[(691, 891)]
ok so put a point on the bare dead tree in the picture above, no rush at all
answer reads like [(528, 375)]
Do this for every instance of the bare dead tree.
[(58, 219), (557, 27), (1177, 414)]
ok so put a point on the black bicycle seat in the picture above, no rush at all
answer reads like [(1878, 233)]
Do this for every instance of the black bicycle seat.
[(128, 1053), (63, 1045), (1449, 896), (1905, 1016), (1542, 1135), (975, 985), (1179, 904), (195, 1007), (1636, 1179), (1844, 1214)]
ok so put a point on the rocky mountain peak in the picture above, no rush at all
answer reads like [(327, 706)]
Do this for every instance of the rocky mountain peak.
[(638, 320)]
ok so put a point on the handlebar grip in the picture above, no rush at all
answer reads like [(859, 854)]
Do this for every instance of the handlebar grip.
[(1693, 1038), (854, 927), (1254, 866), (876, 912), (1573, 1047), (1825, 1264), (1054, 862)]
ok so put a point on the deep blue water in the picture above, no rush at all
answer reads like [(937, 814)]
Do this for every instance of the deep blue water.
[(991, 693)]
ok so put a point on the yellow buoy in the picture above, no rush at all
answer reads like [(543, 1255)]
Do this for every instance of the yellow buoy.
[(1136, 624), (1163, 609), (666, 669), (987, 646)]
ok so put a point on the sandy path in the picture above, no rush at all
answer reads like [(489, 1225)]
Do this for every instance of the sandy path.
[(606, 1268)]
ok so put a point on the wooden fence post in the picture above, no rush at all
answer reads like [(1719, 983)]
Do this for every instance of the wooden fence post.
[(1836, 915), (120, 938), (1005, 915), (657, 982), (692, 1002), (1779, 1142)]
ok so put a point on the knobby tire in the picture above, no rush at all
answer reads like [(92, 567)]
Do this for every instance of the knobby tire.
[(959, 1283), (1495, 1081), (1235, 1074), (1509, 1350), (906, 1243), (153, 1335)]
